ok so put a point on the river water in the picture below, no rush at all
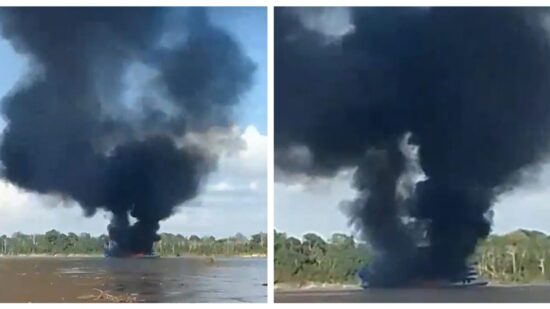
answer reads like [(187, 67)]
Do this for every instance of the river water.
[(25, 279), (482, 294)]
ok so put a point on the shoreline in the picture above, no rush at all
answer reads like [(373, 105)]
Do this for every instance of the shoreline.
[(320, 286), (289, 286)]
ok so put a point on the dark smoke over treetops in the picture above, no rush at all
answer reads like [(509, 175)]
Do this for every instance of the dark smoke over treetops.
[(70, 130), (470, 85)]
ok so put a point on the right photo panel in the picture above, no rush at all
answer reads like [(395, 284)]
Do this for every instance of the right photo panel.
[(411, 154)]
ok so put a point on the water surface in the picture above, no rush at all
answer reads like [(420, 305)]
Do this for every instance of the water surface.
[(482, 294), (56, 279)]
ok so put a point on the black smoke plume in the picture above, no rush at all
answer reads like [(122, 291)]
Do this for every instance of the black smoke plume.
[(470, 85), (71, 132)]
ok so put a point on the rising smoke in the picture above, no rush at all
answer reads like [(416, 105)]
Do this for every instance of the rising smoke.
[(470, 87), (72, 131)]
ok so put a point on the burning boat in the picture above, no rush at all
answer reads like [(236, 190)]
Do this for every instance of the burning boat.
[(470, 278), (419, 230), (111, 250)]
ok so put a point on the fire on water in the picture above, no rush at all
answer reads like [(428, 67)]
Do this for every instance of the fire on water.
[(111, 250)]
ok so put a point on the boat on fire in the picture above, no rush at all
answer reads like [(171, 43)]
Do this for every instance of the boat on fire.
[(419, 230), (469, 279), (111, 251)]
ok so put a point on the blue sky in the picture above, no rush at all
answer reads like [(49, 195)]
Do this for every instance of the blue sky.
[(233, 200), (249, 26)]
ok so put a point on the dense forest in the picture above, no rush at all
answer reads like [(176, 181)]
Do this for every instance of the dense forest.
[(54, 242), (521, 256)]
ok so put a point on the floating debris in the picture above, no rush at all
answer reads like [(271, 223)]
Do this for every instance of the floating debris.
[(105, 296)]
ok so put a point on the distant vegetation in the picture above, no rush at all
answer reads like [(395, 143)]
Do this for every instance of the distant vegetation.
[(54, 242), (312, 259), (519, 257), (522, 256)]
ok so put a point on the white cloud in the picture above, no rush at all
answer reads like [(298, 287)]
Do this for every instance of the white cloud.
[(12, 201), (313, 205), (252, 160), (527, 206), (220, 186), (34, 213), (234, 200), (332, 22)]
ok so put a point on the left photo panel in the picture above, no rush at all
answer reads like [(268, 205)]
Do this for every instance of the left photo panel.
[(133, 145)]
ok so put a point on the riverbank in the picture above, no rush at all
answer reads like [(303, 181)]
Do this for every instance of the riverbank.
[(314, 285), (50, 256), (286, 286)]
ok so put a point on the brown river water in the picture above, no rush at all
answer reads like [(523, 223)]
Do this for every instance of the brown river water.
[(26, 279), (482, 294)]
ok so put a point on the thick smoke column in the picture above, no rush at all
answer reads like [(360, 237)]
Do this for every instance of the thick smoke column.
[(470, 85), (71, 132)]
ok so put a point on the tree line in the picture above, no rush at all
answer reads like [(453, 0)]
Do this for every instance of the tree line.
[(520, 257), (312, 259), (54, 242)]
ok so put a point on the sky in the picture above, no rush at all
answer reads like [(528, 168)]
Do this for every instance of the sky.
[(234, 199), (314, 205)]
